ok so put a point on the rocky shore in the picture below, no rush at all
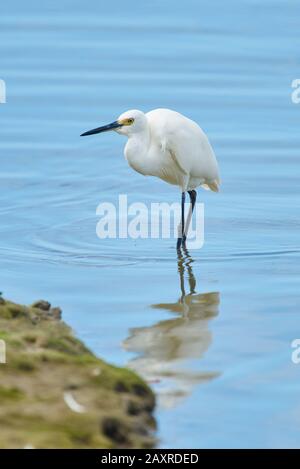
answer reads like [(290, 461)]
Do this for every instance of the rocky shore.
[(55, 393)]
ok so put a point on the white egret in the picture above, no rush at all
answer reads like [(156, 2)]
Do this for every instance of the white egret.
[(168, 145)]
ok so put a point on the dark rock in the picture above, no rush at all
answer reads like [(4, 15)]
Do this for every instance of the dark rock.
[(114, 429), (140, 390), (134, 408), (120, 387), (42, 304), (72, 386), (56, 313)]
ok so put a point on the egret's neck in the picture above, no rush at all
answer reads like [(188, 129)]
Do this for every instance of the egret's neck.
[(137, 152)]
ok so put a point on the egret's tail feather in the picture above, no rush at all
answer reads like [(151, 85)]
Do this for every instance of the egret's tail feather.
[(212, 185)]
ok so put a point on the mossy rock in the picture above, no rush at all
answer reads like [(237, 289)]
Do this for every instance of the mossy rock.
[(54, 393)]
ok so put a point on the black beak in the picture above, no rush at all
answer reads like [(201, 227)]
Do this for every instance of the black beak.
[(104, 128)]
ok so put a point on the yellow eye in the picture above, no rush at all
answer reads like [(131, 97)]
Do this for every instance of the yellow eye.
[(128, 121)]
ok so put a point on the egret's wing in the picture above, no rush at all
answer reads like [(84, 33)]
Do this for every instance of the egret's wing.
[(168, 130), (187, 145), (173, 155)]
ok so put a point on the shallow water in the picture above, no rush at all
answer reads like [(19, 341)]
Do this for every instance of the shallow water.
[(212, 330)]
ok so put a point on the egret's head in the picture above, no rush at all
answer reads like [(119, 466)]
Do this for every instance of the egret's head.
[(127, 123)]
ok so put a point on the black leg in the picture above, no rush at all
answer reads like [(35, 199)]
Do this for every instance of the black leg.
[(181, 235), (193, 196)]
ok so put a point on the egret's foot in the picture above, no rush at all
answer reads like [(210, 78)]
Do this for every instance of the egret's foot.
[(179, 242), (185, 251)]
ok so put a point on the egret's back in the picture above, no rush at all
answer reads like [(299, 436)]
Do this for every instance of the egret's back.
[(188, 146)]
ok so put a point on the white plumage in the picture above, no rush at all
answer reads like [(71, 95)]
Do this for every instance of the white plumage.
[(168, 145)]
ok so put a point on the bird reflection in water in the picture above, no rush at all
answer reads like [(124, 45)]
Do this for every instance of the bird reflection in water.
[(168, 350)]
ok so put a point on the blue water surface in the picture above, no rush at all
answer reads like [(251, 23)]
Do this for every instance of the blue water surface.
[(211, 331)]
